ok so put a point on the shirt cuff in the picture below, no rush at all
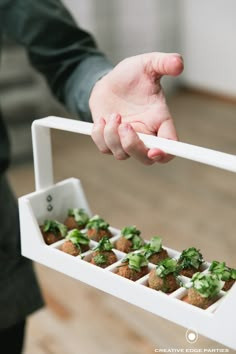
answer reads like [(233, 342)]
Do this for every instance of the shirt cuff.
[(79, 86)]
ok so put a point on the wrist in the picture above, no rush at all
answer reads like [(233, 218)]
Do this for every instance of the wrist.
[(80, 85), (97, 94)]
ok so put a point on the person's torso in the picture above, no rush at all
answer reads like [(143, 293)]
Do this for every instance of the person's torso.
[(4, 140)]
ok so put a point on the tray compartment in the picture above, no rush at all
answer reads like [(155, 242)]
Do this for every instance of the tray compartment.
[(59, 244), (183, 294), (88, 257), (114, 269)]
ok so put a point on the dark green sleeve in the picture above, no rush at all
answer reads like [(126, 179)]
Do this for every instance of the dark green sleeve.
[(66, 55)]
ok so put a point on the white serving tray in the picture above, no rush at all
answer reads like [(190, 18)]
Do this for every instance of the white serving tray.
[(51, 201)]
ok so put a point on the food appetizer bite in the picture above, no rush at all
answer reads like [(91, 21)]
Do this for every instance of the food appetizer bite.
[(203, 289), (76, 243), (53, 231), (190, 262), (130, 240), (102, 255), (228, 275), (154, 251), (97, 228), (164, 276), (134, 266), (76, 219)]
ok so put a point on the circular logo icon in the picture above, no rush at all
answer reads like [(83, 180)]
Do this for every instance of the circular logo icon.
[(191, 336)]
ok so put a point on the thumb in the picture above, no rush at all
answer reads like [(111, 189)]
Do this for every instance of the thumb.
[(159, 64)]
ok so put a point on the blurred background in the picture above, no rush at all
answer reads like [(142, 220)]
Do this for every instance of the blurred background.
[(125, 28), (188, 204)]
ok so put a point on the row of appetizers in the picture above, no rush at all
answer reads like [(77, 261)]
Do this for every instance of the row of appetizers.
[(77, 218), (204, 285)]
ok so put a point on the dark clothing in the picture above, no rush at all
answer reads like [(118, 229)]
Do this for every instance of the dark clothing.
[(20, 294), (4, 148), (66, 55), (12, 339), (71, 63)]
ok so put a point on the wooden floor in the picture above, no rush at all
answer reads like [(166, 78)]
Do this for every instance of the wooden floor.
[(186, 203)]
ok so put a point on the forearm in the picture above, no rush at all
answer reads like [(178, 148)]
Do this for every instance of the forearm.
[(80, 84), (66, 55)]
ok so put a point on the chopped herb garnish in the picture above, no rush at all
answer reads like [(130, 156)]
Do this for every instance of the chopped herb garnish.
[(190, 257), (100, 259), (207, 285), (156, 243), (133, 234), (166, 267), (55, 227), (104, 245), (154, 246), (233, 274), (130, 231), (137, 242), (77, 238), (96, 222), (81, 217), (222, 271), (136, 261)]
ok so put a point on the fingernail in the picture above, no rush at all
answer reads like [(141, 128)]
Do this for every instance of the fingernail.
[(156, 158)]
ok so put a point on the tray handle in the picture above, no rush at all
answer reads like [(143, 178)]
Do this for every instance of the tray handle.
[(43, 154)]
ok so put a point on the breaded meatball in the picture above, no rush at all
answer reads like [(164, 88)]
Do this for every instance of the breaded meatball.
[(125, 271), (190, 262), (228, 284), (77, 218), (157, 257), (124, 245), (225, 273), (50, 237), (70, 248), (53, 231), (188, 272), (130, 239), (103, 259), (167, 284), (194, 298), (71, 223), (97, 235)]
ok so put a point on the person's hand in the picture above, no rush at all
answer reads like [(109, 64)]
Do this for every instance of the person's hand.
[(130, 99)]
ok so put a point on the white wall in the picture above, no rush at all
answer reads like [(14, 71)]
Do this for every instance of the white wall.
[(208, 42), (128, 27), (124, 28), (203, 31)]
